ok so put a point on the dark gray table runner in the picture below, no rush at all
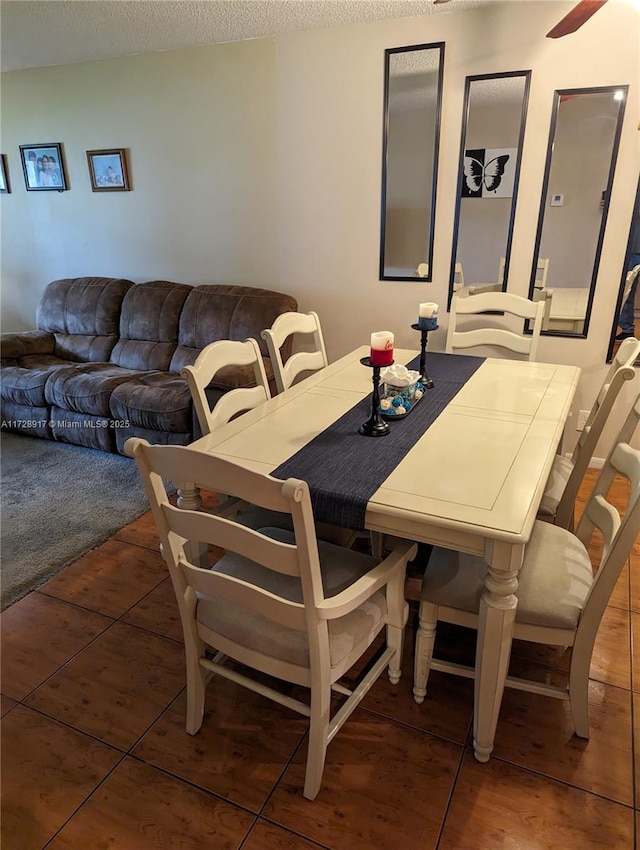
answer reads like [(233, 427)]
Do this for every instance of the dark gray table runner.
[(344, 468)]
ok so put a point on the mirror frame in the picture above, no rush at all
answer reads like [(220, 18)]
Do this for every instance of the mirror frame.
[(437, 45), (516, 179), (558, 94), (634, 214)]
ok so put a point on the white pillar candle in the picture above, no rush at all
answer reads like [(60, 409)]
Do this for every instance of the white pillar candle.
[(427, 310), (428, 316), (381, 348)]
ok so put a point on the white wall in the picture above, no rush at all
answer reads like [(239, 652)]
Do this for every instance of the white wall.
[(199, 125), (260, 163)]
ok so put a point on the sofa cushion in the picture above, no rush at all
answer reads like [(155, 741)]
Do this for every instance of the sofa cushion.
[(24, 383), (156, 438), (82, 429), (157, 401), (83, 314), (235, 377), (26, 419), (86, 387), (149, 325), (217, 311), (25, 343)]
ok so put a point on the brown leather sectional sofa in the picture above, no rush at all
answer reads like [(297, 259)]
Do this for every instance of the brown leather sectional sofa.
[(104, 364)]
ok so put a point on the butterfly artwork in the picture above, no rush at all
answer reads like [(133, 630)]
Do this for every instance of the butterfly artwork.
[(489, 173)]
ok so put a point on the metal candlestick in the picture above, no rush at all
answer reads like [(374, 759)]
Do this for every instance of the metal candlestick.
[(424, 378), (375, 426)]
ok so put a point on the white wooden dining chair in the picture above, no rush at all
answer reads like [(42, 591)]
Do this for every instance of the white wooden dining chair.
[(561, 599), (286, 325), (489, 333), (542, 272), (458, 277), (211, 360), (546, 296), (566, 476), (279, 602)]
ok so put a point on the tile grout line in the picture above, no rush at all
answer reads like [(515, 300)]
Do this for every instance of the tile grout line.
[(454, 785)]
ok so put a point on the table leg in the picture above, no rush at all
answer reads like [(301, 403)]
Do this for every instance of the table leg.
[(189, 499), (495, 630)]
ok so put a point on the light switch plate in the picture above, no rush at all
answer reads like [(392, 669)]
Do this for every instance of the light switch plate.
[(557, 200)]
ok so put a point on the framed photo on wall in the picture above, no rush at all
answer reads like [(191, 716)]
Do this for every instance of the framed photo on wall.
[(108, 170), (43, 167), (5, 187)]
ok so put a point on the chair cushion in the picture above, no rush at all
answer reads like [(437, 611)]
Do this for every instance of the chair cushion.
[(557, 481), (340, 568), (255, 517), (86, 387), (552, 584), (158, 401)]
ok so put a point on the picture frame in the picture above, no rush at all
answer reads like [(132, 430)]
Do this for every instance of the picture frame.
[(489, 172), (5, 186), (108, 170), (43, 167)]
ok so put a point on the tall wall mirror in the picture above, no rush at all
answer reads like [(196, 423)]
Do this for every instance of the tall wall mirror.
[(495, 108), (412, 103), (581, 158), (627, 314)]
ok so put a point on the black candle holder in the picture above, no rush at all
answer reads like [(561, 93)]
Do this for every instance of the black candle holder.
[(424, 378), (375, 426)]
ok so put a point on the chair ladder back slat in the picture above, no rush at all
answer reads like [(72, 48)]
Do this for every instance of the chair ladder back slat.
[(213, 358), (302, 361), (293, 324), (615, 555), (235, 402), (587, 442), (505, 302), (235, 537), (235, 591)]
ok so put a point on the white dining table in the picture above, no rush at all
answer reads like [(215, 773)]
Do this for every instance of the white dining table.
[(473, 481)]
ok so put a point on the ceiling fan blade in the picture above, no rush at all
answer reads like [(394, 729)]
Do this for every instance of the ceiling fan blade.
[(580, 13)]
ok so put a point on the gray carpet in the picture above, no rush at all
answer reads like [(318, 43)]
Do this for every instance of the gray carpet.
[(58, 502)]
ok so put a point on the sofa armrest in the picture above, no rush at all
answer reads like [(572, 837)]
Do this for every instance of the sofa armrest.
[(23, 343)]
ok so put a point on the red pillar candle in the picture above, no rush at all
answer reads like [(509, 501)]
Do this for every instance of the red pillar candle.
[(381, 348)]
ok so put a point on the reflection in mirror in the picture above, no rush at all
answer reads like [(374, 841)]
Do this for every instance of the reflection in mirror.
[(581, 157), (412, 100), (627, 314), (495, 107)]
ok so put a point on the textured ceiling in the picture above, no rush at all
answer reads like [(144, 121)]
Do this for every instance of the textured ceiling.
[(35, 33)]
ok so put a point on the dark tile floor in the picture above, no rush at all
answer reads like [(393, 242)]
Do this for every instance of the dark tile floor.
[(94, 752)]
